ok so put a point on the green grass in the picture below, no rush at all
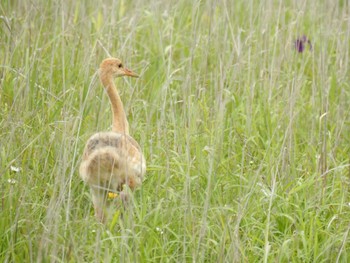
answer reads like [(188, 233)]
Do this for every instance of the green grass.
[(247, 141)]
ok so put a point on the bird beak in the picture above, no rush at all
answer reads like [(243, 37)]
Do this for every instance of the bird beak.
[(130, 73)]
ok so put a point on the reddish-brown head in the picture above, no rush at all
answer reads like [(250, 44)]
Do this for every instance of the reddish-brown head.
[(115, 68)]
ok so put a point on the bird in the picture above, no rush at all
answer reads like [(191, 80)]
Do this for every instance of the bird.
[(113, 159)]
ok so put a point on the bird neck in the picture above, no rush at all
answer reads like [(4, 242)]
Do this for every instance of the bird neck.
[(120, 123)]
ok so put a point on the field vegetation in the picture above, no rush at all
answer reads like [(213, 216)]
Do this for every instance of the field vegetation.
[(247, 140)]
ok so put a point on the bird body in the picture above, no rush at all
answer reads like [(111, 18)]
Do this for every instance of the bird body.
[(112, 159)]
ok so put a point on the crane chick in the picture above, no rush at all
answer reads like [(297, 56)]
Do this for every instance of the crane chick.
[(112, 159)]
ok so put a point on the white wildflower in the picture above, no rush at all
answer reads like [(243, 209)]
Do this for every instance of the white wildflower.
[(12, 181), (15, 169), (158, 229)]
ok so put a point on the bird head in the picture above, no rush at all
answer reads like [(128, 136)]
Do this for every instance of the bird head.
[(114, 67)]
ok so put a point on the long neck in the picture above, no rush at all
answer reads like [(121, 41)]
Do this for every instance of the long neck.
[(120, 123)]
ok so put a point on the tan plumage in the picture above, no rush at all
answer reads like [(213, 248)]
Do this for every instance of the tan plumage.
[(112, 159)]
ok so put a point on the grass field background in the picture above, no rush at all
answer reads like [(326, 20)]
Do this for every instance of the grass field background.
[(247, 141)]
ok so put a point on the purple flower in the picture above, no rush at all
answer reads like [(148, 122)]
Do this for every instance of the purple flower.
[(301, 42)]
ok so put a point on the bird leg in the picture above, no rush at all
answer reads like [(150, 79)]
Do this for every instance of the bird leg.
[(99, 201), (125, 198)]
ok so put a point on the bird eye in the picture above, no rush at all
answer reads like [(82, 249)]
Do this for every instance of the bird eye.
[(120, 66)]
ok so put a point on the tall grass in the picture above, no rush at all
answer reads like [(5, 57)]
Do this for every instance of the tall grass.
[(247, 141)]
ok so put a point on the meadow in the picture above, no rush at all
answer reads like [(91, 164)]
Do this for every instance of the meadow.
[(247, 140)]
